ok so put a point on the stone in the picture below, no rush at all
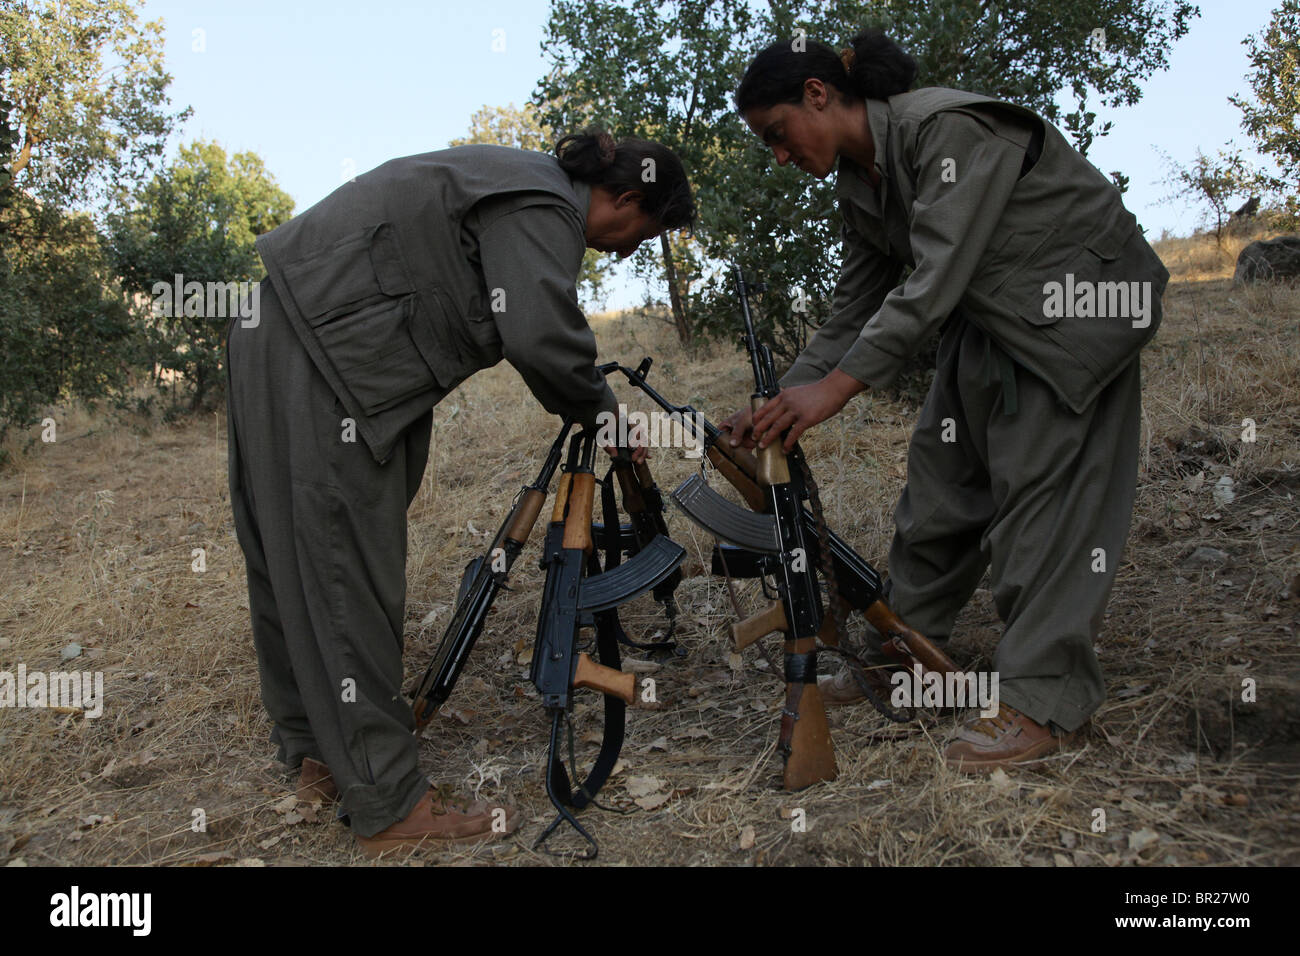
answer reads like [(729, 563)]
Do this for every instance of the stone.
[(1269, 260)]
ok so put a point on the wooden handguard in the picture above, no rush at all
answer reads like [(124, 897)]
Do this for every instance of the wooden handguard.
[(561, 498), (739, 467), (577, 526), (891, 627), (529, 508), (643, 476), (773, 469), (746, 632), (604, 679), (629, 483)]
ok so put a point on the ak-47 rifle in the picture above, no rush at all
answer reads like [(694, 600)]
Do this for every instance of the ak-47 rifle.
[(572, 600), (483, 578), (747, 538), (644, 504), (752, 545), (487, 575)]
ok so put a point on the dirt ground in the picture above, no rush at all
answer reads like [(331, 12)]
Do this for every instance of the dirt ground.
[(98, 532)]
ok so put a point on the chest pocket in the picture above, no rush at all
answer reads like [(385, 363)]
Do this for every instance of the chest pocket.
[(357, 296)]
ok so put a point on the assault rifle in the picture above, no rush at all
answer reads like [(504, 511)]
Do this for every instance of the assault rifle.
[(483, 578), (747, 540), (488, 574), (572, 600), (764, 543)]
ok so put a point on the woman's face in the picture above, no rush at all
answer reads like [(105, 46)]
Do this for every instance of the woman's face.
[(618, 224), (799, 133)]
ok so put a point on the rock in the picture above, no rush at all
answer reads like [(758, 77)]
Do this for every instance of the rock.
[(1204, 557), (1269, 261)]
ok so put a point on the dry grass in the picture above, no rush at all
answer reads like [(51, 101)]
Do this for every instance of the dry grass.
[(96, 536)]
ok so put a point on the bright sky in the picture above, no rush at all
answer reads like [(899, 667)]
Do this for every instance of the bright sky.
[(324, 89)]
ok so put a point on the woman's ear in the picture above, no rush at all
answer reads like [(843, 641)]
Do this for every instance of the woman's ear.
[(633, 197), (814, 93)]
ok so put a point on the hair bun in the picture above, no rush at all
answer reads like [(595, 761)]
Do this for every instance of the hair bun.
[(605, 149)]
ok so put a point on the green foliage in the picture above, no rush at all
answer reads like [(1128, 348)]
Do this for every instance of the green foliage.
[(64, 332), (91, 91), (1272, 120), (523, 129), (82, 96), (1214, 181), (198, 219), (668, 70)]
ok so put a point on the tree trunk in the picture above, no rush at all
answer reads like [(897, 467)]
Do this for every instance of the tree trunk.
[(674, 295)]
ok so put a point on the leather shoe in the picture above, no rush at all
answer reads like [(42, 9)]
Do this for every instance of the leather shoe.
[(438, 819), (315, 782), (844, 689), (983, 744)]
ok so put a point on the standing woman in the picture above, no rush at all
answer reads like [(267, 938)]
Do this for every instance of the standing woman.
[(380, 300), (1024, 458)]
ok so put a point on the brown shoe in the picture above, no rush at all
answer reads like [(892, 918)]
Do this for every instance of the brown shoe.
[(844, 689), (437, 820), (987, 743), (315, 782)]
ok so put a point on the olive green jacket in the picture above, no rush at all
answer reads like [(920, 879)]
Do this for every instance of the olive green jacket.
[(1010, 242), (384, 283)]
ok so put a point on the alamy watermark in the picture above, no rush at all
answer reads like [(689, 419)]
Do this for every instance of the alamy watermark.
[(208, 300), (655, 430), (1102, 300), (951, 689), (75, 908), (81, 690)]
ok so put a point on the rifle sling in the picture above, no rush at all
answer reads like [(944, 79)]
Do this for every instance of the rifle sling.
[(615, 723)]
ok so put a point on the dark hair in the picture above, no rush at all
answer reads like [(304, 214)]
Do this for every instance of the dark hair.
[(878, 68), (594, 158)]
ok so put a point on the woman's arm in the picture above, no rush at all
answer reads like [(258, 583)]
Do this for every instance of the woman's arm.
[(952, 220), (530, 260)]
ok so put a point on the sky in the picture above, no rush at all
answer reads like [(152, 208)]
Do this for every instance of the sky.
[(325, 89)]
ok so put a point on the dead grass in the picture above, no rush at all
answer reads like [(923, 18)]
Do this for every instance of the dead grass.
[(96, 541)]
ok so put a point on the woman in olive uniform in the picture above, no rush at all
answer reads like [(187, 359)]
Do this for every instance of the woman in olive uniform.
[(380, 300), (1024, 458)]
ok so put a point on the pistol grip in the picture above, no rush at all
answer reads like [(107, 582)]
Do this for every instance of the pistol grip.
[(604, 679), (746, 632)]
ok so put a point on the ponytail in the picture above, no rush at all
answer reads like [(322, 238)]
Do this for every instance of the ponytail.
[(633, 165), (872, 67)]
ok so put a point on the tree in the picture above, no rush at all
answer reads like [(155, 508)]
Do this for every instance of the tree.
[(668, 70), (523, 129), (1213, 180), (1272, 120), (89, 89), (197, 219), (659, 71)]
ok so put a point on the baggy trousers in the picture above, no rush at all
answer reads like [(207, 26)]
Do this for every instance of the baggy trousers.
[(1042, 497), (323, 531)]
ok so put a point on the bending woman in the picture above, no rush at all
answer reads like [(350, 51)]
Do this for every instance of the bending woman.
[(380, 300), (1024, 458)]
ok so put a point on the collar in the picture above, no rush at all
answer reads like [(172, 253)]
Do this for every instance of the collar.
[(852, 183), (583, 192)]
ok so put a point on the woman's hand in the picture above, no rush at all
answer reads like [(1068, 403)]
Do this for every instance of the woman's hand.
[(800, 407), (639, 452), (739, 425)]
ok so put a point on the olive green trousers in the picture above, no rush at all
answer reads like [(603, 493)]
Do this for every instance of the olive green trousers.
[(1040, 496), (323, 531)]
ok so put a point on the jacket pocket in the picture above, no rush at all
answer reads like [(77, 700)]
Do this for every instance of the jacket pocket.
[(374, 353), (353, 272)]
